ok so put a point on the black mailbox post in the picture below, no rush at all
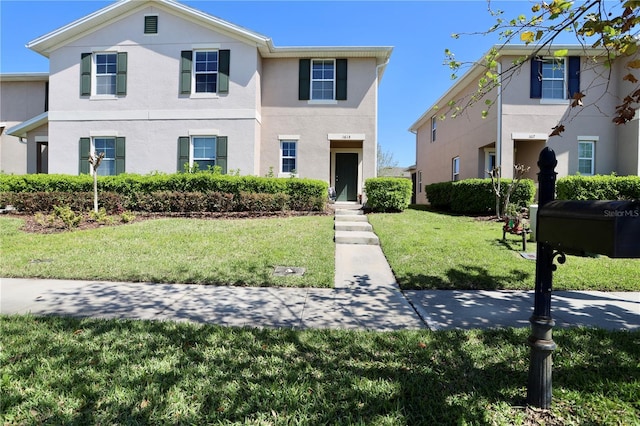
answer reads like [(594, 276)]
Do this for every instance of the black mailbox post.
[(611, 228)]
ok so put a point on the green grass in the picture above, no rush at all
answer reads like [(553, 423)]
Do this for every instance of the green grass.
[(78, 372), (222, 252), (428, 250)]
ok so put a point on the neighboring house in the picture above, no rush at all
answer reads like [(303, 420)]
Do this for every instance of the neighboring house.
[(158, 86), (528, 105), (23, 100)]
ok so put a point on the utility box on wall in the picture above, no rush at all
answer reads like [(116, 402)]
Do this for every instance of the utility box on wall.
[(611, 228)]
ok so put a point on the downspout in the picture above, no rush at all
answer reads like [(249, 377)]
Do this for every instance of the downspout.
[(499, 119), (375, 151)]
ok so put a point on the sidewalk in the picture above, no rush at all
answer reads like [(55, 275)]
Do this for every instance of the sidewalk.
[(365, 297)]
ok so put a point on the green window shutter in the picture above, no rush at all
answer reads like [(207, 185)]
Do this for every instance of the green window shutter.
[(186, 57), (224, 57), (120, 153), (183, 152), (85, 151), (121, 78), (341, 79), (85, 74), (304, 80), (221, 153)]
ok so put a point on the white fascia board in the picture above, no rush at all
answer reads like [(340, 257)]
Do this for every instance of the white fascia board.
[(25, 76), (21, 130)]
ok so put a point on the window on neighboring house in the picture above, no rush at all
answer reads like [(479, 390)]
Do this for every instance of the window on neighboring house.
[(490, 160), (106, 64), (204, 71), (419, 180), (455, 169), (113, 162), (433, 129), (586, 157), (288, 150), (103, 74), (555, 78), (108, 147), (206, 151), (322, 79)]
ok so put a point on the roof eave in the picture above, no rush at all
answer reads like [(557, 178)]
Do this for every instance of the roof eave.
[(21, 130)]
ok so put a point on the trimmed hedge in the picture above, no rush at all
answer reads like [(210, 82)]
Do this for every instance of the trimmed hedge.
[(476, 195), (385, 194), (600, 187), (174, 192)]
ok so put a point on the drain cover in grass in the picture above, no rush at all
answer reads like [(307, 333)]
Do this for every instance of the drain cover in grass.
[(285, 271)]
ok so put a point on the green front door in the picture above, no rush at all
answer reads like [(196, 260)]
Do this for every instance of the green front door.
[(346, 177)]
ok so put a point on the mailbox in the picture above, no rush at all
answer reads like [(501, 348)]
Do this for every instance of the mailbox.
[(611, 228)]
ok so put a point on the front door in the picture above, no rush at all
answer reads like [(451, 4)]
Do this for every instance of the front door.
[(346, 176), (42, 162)]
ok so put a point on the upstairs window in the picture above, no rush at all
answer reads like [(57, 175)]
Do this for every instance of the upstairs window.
[(322, 79), (555, 78), (433, 129), (103, 74), (204, 71), (106, 72)]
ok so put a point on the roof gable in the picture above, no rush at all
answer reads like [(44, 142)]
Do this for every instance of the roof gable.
[(123, 8)]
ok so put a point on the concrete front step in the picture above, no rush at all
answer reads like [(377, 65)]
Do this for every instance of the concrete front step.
[(341, 212), (356, 237), (353, 226), (351, 218)]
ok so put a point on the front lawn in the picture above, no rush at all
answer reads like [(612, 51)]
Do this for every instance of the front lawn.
[(429, 250), (203, 251), (80, 372)]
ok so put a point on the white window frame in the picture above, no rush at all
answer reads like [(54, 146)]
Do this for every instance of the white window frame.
[(488, 153), (555, 62), (323, 80), (193, 159), (95, 75), (455, 169), (434, 125), (592, 159), (283, 157), (419, 181), (106, 160), (195, 73)]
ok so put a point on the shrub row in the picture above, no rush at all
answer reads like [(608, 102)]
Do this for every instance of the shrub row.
[(301, 194), (158, 202), (477, 195), (601, 187), (385, 194)]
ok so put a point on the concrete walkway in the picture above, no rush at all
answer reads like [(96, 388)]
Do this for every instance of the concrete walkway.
[(366, 297)]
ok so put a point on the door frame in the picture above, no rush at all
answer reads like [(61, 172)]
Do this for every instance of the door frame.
[(359, 182)]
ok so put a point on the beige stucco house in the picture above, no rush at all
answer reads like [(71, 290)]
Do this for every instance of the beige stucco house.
[(528, 104), (23, 101), (158, 86)]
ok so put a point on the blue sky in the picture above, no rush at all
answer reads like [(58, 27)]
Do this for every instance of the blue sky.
[(419, 31)]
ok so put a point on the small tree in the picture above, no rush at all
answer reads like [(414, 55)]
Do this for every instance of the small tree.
[(95, 159), (385, 159), (519, 170)]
